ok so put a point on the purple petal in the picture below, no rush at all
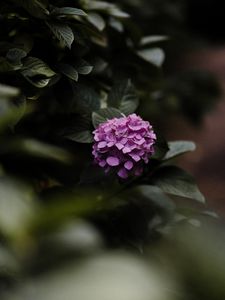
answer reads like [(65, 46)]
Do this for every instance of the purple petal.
[(123, 173), (119, 146), (135, 157), (102, 145), (128, 165), (126, 150), (113, 161), (124, 141), (110, 144), (140, 142)]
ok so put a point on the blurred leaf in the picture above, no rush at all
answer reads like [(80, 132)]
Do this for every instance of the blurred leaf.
[(175, 181), (16, 207), (116, 24), (62, 32), (36, 149), (76, 236), (108, 277), (7, 92), (116, 12), (154, 56), (124, 97), (12, 107), (105, 114), (9, 264), (179, 147), (96, 20), (146, 40)]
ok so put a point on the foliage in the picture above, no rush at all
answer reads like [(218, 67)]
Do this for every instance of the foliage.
[(66, 67)]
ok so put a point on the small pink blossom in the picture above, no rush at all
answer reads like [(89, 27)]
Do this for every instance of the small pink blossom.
[(124, 144)]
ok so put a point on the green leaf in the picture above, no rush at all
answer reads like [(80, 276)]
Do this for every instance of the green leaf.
[(37, 72), (6, 66), (15, 55), (69, 71), (83, 67), (62, 32), (81, 137), (154, 56), (175, 181), (105, 114), (86, 99), (35, 8), (179, 147), (96, 20), (124, 97), (152, 195), (60, 11), (161, 147)]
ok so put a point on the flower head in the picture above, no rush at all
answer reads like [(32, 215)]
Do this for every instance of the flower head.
[(124, 144)]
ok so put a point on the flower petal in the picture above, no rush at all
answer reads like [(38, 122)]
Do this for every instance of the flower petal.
[(113, 161)]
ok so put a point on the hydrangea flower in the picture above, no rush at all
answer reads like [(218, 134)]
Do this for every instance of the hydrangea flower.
[(124, 144)]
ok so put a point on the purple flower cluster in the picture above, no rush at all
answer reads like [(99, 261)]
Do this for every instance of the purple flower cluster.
[(124, 144)]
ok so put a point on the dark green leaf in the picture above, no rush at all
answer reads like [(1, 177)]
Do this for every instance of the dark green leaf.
[(153, 197), (6, 66), (62, 32), (161, 147), (15, 55), (179, 147), (81, 137), (86, 98), (35, 8), (83, 67), (68, 11), (37, 72), (175, 181), (105, 114), (69, 71), (124, 97)]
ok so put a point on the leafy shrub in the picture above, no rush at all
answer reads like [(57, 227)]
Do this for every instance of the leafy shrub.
[(64, 69)]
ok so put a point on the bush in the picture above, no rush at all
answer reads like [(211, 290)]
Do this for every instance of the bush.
[(64, 69)]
